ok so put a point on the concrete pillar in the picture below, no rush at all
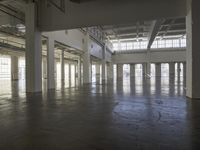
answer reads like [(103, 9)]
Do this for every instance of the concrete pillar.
[(193, 53), (171, 69), (79, 70), (87, 78), (51, 65), (44, 67), (70, 71), (148, 69), (119, 70), (98, 70), (144, 68), (62, 65), (103, 70), (172, 73), (55, 69), (14, 68), (184, 72), (178, 70), (33, 50), (76, 73), (148, 64), (158, 69), (104, 63), (132, 70), (110, 70)]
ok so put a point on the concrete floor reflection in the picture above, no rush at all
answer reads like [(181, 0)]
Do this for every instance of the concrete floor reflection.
[(142, 86), (137, 86), (145, 114)]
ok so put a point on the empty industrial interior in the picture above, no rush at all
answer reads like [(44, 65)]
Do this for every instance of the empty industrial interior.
[(99, 74)]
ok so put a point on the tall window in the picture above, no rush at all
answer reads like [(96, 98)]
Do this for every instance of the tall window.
[(176, 43), (164, 43), (115, 46), (129, 45), (183, 42), (123, 46), (143, 45), (5, 67), (155, 44), (168, 43), (22, 68), (136, 45), (161, 43)]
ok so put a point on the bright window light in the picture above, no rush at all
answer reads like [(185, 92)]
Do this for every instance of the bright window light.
[(158, 43)]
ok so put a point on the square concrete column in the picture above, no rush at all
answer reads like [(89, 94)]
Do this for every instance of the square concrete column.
[(172, 73), (76, 70), (192, 52), (148, 69), (104, 63), (148, 64), (44, 68), (62, 64), (132, 70), (178, 69), (171, 69), (110, 70), (51, 65), (79, 70), (184, 72), (55, 69), (33, 50), (14, 68), (119, 70), (144, 68), (98, 70), (87, 76), (103, 70), (158, 69), (70, 72)]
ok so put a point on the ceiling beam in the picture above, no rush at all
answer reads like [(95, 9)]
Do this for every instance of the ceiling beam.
[(153, 32), (173, 31), (12, 12), (124, 28), (169, 27), (125, 34)]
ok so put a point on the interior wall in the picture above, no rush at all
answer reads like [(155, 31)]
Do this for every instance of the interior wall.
[(74, 38), (175, 55)]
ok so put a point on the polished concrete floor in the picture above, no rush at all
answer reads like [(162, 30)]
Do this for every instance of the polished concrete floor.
[(128, 114)]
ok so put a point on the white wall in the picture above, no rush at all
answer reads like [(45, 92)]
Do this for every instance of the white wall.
[(170, 55), (74, 38), (108, 56), (71, 38), (95, 49)]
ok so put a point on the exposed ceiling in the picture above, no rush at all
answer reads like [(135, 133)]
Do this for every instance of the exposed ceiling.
[(13, 11), (168, 28), (126, 31)]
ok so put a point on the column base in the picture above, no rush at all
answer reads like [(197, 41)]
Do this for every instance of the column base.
[(15, 79)]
